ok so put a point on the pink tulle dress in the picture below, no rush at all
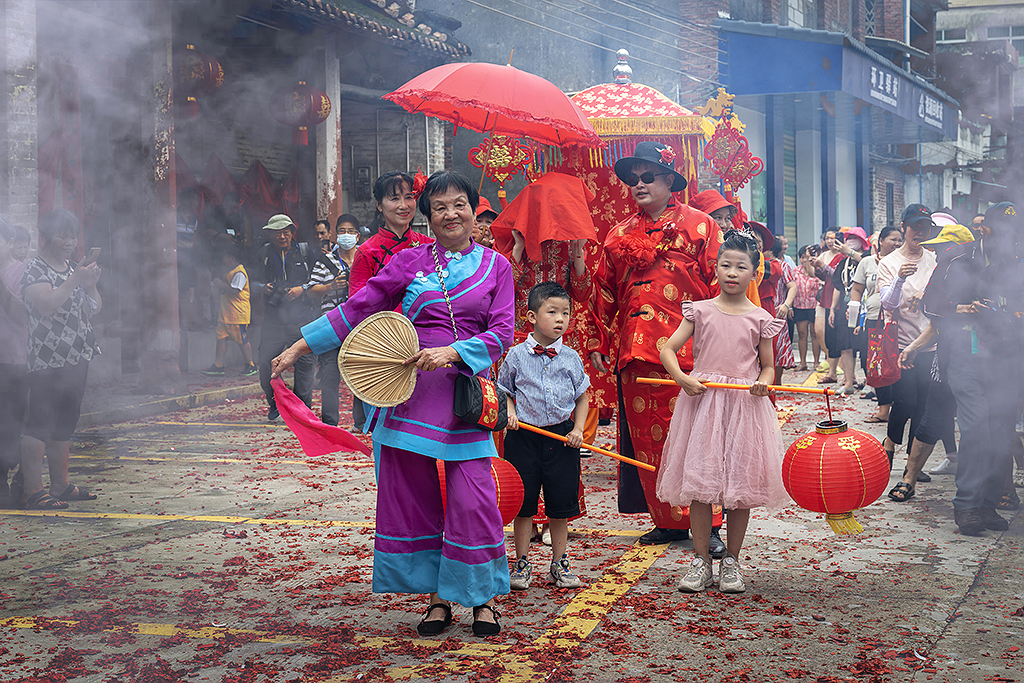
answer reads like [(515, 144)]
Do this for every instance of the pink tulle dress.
[(724, 447)]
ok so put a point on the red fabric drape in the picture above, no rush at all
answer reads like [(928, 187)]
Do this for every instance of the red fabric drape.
[(218, 180), (290, 194), (315, 437), (261, 193)]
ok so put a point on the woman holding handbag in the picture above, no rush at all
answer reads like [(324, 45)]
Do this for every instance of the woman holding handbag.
[(903, 276), (459, 297), (866, 304)]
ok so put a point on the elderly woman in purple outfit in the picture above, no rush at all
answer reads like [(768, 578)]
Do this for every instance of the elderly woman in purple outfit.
[(455, 554)]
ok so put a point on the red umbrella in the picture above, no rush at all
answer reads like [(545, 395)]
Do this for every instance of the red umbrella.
[(491, 98)]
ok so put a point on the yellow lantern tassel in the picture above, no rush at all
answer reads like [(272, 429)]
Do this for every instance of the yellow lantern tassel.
[(844, 523)]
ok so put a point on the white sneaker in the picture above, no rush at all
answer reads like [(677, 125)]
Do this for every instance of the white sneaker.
[(562, 576), (698, 577), (545, 537), (730, 580), (947, 466), (519, 577)]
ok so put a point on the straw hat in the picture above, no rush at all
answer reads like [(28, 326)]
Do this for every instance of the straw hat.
[(372, 356)]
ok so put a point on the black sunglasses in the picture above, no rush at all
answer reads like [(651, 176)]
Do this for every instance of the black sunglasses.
[(648, 177)]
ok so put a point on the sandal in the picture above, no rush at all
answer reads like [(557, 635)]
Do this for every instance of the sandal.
[(902, 492), (73, 492), (1008, 502), (435, 626), (486, 628), (828, 380), (874, 419), (41, 500)]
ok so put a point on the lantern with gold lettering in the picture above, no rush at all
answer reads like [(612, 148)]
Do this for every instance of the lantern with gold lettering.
[(300, 106), (195, 75), (836, 470)]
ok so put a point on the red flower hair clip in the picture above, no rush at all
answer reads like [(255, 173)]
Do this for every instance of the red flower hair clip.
[(668, 155), (419, 181)]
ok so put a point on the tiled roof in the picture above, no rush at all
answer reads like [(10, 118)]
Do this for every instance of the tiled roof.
[(368, 17)]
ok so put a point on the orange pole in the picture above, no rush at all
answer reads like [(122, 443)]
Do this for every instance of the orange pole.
[(721, 385), (595, 449)]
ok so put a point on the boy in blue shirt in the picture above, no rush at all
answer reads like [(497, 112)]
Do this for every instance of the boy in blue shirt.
[(546, 386)]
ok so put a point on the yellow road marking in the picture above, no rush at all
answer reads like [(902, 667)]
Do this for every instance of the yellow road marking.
[(577, 621), (230, 519), (217, 632), (785, 414)]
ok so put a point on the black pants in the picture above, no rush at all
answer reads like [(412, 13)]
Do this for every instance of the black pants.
[(937, 423), (13, 404), (329, 377), (909, 397), (987, 391), (273, 340)]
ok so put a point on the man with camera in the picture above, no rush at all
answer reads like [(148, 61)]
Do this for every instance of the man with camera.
[(283, 268)]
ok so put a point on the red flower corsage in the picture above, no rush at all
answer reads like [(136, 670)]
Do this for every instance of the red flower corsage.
[(419, 181), (668, 155), (638, 250)]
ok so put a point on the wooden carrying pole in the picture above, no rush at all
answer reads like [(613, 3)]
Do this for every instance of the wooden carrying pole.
[(595, 449), (720, 385)]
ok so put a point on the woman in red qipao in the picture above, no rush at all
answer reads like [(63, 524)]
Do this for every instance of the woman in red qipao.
[(652, 262), (396, 194)]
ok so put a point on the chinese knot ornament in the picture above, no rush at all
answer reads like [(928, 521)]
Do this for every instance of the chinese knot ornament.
[(729, 154), (501, 156), (836, 470), (507, 484), (195, 75), (300, 106)]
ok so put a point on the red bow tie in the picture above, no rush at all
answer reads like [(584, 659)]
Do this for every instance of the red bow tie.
[(549, 352)]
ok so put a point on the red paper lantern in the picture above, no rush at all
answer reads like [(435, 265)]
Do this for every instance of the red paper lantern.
[(506, 482), (836, 470), (300, 106), (195, 75)]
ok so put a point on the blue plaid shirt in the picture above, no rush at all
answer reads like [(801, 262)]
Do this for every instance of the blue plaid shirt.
[(544, 389)]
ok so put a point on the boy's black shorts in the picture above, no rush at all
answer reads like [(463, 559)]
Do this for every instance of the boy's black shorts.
[(544, 462)]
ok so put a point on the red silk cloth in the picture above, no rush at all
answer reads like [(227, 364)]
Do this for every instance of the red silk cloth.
[(315, 437), (553, 207)]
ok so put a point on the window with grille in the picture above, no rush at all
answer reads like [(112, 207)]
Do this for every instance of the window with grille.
[(999, 32), (795, 13), (869, 17)]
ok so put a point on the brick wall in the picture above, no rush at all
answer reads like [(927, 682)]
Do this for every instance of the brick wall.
[(19, 177), (881, 175), (889, 19), (701, 58)]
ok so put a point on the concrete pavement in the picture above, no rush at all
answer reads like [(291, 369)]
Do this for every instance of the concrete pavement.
[(217, 551)]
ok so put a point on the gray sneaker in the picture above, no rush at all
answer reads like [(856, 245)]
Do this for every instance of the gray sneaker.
[(730, 580), (519, 577), (698, 577), (562, 576)]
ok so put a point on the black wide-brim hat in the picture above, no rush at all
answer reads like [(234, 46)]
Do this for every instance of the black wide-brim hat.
[(653, 153)]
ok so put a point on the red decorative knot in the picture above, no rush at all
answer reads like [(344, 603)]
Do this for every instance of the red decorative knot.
[(668, 155)]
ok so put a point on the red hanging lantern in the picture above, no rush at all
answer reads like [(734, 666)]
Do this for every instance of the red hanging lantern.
[(300, 106), (506, 482), (195, 75), (836, 470)]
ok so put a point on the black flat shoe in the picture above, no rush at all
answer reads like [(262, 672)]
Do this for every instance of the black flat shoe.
[(717, 546), (658, 536), (486, 628), (434, 626)]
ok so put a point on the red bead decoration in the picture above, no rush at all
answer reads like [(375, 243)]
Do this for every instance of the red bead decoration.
[(195, 75), (300, 106), (836, 470), (507, 483)]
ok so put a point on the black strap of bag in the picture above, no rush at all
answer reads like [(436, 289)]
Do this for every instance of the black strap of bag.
[(478, 400)]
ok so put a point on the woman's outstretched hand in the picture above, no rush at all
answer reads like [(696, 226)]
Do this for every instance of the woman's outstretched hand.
[(434, 358), (288, 357)]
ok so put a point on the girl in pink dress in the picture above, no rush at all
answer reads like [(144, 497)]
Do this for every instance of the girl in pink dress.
[(724, 446)]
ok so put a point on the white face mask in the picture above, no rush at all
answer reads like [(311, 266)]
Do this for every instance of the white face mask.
[(347, 241)]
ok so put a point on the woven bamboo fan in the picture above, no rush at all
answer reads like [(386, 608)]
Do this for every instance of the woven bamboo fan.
[(371, 357)]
